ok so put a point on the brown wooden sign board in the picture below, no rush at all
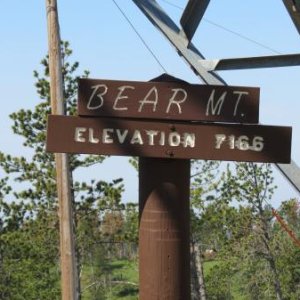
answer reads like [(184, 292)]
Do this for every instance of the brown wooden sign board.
[(252, 143), (168, 100)]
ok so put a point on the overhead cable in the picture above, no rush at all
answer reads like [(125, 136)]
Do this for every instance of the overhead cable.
[(229, 30), (139, 35)]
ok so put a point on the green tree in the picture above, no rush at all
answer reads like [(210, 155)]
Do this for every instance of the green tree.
[(204, 183), (29, 224), (252, 185), (287, 250)]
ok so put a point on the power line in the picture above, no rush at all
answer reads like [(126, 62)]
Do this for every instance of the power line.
[(172, 4), (139, 35), (229, 30), (242, 36)]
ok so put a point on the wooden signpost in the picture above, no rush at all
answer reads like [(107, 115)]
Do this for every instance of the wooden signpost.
[(166, 124)]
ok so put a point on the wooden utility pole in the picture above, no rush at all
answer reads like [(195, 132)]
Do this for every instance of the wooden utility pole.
[(69, 274)]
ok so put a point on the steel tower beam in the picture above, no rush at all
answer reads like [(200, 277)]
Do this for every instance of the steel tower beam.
[(152, 10), (170, 30), (292, 173), (274, 61), (293, 8), (192, 16)]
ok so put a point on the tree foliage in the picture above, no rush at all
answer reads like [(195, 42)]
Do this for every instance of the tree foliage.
[(29, 242), (254, 256)]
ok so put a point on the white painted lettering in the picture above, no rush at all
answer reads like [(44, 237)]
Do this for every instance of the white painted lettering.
[(240, 95), (146, 100), (213, 108), (106, 137), (121, 135), (122, 97), (242, 143), (95, 89), (92, 139), (162, 139), (220, 138), (231, 141), (78, 134), (177, 102), (151, 134), (258, 143), (189, 140), (137, 138), (174, 139)]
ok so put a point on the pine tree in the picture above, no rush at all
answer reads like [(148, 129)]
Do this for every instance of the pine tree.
[(29, 245)]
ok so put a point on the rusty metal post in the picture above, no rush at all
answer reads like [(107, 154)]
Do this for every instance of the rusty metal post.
[(164, 242)]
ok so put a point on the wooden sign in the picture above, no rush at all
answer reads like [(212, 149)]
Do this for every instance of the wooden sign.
[(168, 100), (253, 143)]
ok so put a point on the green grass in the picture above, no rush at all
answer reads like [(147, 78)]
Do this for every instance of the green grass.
[(122, 281), (119, 280), (125, 273), (208, 265)]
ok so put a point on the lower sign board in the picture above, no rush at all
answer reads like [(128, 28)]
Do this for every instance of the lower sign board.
[(253, 143)]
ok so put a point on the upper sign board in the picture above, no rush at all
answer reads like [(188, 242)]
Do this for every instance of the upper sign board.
[(168, 100), (107, 136)]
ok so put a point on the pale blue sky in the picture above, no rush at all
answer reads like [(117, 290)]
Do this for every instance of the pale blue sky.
[(104, 43)]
